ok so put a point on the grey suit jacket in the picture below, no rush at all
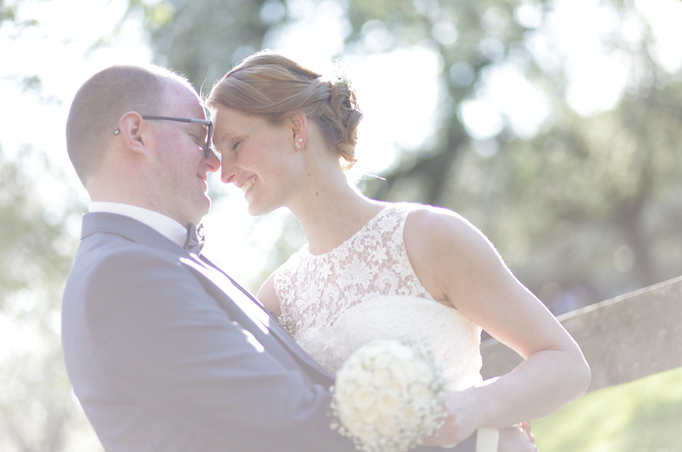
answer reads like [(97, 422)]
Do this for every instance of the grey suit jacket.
[(166, 353)]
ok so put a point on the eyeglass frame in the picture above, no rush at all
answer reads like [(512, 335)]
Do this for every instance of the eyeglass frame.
[(206, 122)]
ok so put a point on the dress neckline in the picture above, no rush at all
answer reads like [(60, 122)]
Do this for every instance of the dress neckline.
[(387, 208)]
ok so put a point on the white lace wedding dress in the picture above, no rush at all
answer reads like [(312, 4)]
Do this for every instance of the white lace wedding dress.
[(366, 289)]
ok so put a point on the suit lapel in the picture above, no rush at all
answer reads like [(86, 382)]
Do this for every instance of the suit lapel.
[(239, 293), (259, 316), (138, 232)]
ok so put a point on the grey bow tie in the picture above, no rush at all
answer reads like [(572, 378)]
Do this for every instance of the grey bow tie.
[(195, 238)]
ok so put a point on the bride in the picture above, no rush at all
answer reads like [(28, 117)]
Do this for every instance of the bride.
[(373, 269)]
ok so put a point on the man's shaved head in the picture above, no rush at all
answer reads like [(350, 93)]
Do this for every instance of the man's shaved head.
[(99, 104)]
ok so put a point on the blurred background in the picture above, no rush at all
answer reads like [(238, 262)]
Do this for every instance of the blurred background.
[(552, 126)]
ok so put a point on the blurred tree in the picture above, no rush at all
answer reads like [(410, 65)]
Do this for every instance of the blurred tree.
[(203, 39), (582, 211), (8, 15), (37, 408), (581, 208)]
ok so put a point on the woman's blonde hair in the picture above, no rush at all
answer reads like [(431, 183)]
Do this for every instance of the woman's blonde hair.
[(270, 85)]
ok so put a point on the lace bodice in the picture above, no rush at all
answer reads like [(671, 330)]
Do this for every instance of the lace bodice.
[(366, 289)]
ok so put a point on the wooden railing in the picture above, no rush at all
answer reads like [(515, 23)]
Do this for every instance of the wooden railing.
[(624, 338)]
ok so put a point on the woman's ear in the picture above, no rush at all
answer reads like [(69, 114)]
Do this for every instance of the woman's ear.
[(132, 131), (299, 130)]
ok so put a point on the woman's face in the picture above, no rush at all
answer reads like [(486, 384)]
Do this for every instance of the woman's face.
[(257, 157)]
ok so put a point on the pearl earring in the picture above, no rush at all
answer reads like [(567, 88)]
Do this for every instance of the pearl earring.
[(298, 145)]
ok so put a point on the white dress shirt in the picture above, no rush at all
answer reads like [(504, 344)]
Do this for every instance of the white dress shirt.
[(159, 222)]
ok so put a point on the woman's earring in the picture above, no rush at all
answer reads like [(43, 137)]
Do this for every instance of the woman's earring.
[(298, 145)]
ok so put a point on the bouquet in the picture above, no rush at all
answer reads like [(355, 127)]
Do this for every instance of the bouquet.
[(388, 396)]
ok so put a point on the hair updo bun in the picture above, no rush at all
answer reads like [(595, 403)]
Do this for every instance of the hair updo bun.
[(270, 85)]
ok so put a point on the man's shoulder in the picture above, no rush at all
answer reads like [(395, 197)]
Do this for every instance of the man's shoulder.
[(107, 262), (108, 247), (113, 275)]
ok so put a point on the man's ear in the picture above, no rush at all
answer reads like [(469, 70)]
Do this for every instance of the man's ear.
[(133, 132), (299, 130)]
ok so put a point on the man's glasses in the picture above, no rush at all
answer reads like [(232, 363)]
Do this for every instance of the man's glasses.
[(205, 122)]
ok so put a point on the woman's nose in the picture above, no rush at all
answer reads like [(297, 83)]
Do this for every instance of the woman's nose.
[(228, 171)]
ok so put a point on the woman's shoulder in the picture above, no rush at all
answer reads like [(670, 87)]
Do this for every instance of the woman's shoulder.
[(436, 229), (442, 244), (436, 219)]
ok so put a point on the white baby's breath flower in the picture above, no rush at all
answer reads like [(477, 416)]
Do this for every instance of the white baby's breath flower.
[(420, 392)]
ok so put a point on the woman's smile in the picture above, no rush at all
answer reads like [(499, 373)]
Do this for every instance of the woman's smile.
[(248, 184)]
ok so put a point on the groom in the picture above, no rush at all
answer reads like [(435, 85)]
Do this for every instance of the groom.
[(164, 351)]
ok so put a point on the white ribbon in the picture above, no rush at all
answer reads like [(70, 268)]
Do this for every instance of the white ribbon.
[(487, 439)]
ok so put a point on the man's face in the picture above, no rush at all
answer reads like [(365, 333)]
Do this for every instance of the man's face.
[(179, 168)]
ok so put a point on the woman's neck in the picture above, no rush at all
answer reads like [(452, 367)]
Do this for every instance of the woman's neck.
[(332, 211)]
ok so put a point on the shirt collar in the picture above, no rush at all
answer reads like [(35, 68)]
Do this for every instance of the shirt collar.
[(161, 223)]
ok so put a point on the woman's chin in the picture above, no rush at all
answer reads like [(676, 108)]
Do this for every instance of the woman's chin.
[(256, 210)]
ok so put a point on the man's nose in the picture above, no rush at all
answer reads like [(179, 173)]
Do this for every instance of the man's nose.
[(212, 161)]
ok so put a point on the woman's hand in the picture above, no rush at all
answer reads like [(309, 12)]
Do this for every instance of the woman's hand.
[(462, 419)]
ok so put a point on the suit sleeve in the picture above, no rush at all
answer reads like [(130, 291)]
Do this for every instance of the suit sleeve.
[(166, 344)]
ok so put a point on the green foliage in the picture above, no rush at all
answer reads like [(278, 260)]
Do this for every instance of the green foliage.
[(204, 39), (561, 205), (33, 250), (474, 28), (36, 405), (584, 210), (157, 14), (32, 83), (633, 417), (8, 13)]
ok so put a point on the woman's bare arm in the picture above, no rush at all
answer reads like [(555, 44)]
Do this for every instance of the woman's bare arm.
[(458, 265), (267, 296)]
